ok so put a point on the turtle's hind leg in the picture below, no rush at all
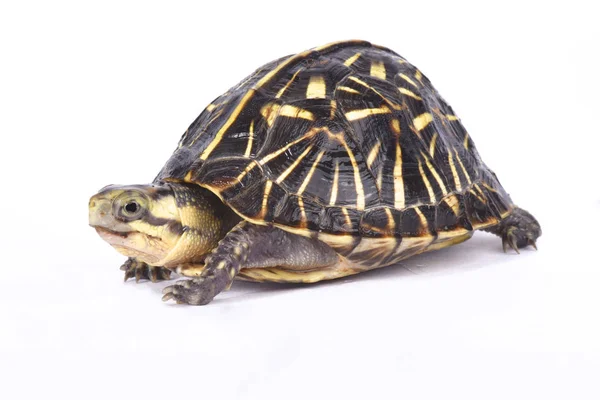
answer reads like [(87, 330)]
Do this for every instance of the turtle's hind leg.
[(519, 229)]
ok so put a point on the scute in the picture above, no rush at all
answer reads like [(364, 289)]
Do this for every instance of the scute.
[(348, 142)]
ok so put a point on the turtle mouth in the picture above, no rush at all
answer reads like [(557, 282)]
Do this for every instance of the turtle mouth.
[(146, 248), (107, 233)]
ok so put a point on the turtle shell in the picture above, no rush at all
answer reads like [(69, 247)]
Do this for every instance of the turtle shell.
[(348, 142)]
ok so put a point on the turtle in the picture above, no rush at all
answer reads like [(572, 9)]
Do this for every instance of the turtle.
[(319, 165)]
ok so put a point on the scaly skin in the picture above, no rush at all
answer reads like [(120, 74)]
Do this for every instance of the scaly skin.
[(520, 229), (185, 228), (140, 270)]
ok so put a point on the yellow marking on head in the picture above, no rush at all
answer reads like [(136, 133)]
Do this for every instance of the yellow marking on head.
[(407, 79), (366, 112), (422, 218), (265, 200), (219, 135), (232, 273), (395, 125), (432, 198), (435, 174), (360, 193), (250, 138), (297, 161), (466, 141), (420, 122), (391, 225), (237, 251), (378, 69), (463, 167), (316, 88), (210, 107), (333, 109), (384, 98), (287, 85), (164, 208), (399, 200), (274, 154), (334, 186), (419, 76), (451, 117), (351, 60), (373, 153), (452, 202), (409, 93), (432, 144), (457, 184), (310, 173), (347, 89)]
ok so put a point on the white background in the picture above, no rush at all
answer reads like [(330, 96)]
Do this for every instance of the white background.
[(99, 93)]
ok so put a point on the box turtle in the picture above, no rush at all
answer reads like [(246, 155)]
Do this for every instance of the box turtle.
[(319, 165)]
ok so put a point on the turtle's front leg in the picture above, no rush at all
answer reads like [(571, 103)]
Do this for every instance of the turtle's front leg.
[(217, 273), (249, 246), (140, 270)]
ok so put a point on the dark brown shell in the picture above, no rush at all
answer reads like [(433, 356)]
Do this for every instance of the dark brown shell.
[(348, 139)]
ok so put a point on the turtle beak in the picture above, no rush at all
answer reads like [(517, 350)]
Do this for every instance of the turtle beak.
[(99, 211)]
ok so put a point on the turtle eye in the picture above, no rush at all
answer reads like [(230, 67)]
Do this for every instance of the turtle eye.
[(131, 208)]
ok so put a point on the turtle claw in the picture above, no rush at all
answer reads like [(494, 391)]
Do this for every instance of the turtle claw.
[(138, 273), (510, 239), (518, 230), (128, 274), (168, 295), (139, 270), (513, 238), (191, 291), (531, 242)]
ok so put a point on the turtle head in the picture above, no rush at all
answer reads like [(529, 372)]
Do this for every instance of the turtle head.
[(165, 225)]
